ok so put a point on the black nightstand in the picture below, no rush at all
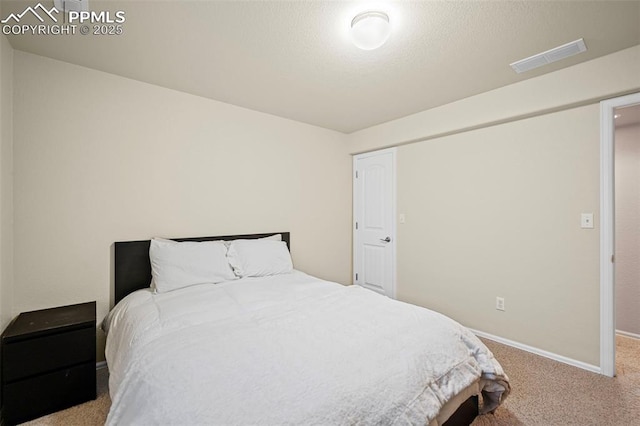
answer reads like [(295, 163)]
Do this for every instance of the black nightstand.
[(48, 361)]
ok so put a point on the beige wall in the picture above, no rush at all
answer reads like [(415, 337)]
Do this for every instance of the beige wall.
[(627, 198), (6, 182), (100, 158), (496, 212), (492, 187)]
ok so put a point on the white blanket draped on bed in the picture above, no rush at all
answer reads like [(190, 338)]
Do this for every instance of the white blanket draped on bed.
[(287, 349)]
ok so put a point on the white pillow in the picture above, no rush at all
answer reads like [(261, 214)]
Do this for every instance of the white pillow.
[(180, 264), (258, 258), (164, 240)]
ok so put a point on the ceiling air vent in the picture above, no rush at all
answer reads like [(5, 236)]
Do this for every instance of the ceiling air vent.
[(553, 55)]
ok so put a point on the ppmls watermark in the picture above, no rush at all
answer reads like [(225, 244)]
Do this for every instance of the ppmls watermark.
[(77, 22)]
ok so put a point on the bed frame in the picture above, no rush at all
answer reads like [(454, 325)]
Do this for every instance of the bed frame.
[(133, 272), (133, 268)]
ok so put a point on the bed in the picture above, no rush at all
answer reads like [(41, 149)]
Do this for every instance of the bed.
[(284, 348)]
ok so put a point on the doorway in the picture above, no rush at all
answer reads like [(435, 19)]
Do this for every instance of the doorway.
[(627, 220), (374, 224), (608, 110)]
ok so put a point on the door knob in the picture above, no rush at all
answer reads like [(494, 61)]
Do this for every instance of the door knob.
[(386, 240)]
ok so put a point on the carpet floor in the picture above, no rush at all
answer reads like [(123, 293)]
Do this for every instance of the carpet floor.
[(544, 392)]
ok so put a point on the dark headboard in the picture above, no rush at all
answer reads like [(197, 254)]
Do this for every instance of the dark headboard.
[(133, 267)]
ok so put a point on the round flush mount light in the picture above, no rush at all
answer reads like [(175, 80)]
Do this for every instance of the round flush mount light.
[(370, 30)]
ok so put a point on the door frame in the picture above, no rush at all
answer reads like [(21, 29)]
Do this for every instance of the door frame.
[(394, 232), (607, 231)]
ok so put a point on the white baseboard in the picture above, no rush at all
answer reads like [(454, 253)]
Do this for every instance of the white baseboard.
[(627, 334), (537, 351), (101, 364)]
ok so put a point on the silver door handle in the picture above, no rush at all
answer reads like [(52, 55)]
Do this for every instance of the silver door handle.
[(386, 240)]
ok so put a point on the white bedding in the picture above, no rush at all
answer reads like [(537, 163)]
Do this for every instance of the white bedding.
[(288, 349)]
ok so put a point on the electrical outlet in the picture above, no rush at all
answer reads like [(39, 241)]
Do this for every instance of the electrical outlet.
[(500, 303)]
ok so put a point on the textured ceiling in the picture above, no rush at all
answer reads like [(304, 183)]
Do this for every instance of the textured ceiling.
[(294, 59)]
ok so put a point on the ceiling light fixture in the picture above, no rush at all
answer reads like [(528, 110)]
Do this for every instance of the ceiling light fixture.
[(370, 30)]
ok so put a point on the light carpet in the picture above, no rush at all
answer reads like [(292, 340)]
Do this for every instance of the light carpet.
[(546, 392)]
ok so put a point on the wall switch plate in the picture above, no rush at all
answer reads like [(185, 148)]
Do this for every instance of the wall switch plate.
[(401, 218), (586, 220), (500, 303)]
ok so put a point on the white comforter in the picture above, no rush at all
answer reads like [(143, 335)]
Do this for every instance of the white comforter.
[(287, 349)]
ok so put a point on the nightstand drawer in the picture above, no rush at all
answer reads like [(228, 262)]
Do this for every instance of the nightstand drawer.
[(30, 398), (34, 356)]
